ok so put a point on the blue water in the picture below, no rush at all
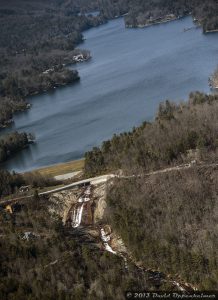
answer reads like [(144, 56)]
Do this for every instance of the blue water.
[(130, 73)]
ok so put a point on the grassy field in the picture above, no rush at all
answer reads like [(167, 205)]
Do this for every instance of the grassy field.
[(60, 169), (55, 170)]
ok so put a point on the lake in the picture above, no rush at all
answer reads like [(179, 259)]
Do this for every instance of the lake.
[(130, 73)]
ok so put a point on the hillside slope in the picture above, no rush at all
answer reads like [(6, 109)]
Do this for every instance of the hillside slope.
[(169, 219)]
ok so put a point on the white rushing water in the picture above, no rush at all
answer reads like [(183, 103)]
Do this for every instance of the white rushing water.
[(106, 238), (78, 208), (77, 216)]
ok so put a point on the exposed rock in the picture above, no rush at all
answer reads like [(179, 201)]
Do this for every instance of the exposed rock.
[(100, 195), (117, 243), (61, 202)]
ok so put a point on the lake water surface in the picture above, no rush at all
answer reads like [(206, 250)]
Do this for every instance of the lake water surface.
[(130, 73)]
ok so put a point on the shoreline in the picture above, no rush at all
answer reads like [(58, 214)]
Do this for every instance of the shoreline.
[(211, 31), (154, 23), (59, 168), (9, 122), (53, 166), (171, 19)]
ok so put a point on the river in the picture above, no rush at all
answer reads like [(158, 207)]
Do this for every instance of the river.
[(130, 73)]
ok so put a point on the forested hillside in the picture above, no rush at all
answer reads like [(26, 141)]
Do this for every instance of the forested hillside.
[(168, 220), (143, 13), (11, 182), (164, 142), (13, 143), (40, 260), (36, 41)]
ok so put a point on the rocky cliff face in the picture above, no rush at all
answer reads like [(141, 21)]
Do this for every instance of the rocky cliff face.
[(62, 202), (99, 194), (89, 204)]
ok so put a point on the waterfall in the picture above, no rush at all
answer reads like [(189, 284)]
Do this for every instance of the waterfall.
[(78, 208), (106, 238), (77, 215)]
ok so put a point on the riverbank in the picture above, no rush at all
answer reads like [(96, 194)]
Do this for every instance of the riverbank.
[(14, 142), (35, 59), (146, 13), (213, 80), (170, 18), (151, 22), (40, 82), (211, 31)]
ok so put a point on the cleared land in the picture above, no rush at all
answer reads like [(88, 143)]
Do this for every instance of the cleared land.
[(60, 169)]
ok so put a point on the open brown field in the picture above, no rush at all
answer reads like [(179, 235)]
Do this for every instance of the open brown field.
[(60, 169)]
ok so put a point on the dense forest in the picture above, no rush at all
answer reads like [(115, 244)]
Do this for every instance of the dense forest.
[(11, 182), (143, 13), (163, 143), (37, 41), (12, 143), (40, 260), (168, 220)]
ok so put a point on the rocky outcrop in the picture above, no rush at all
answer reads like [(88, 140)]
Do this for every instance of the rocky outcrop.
[(60, 203), (99, 195)]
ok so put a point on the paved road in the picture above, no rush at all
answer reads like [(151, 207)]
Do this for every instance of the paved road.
[(104, 178), (93, 180)]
